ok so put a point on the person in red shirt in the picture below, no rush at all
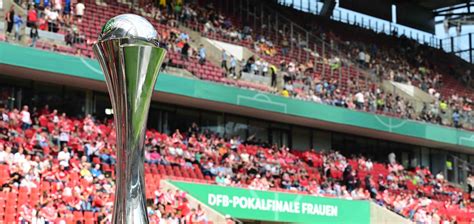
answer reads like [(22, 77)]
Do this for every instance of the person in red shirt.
[(183, 207), (43, 120), (62, 175), (32, 17), (50, 174)]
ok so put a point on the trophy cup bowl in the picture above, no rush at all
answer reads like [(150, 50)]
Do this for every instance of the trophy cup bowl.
[(130, 58)]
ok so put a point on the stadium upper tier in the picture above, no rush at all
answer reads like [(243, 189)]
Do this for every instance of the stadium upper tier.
[(348, 77), (391, 55), (63, 169)]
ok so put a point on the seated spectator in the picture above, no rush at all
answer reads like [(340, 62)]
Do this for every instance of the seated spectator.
[(106, 156), (96, 171), (64, 156)]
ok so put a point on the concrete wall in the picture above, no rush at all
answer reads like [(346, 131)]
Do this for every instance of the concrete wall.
[(381, 215), (214, 48), (411, 93)]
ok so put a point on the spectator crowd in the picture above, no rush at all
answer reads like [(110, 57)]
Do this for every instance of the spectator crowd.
[(58, 16), (66, 166)]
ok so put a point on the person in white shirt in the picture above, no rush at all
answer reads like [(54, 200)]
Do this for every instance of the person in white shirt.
[(45, 164), (80, 7), (362, 57), (52, 17), (440, 176), (208, 27), (264, 68), (25, 118), (258, 67), (19, 157), (245, 157), (289, 86), (291, 67), (26, 164), (369, 165), (470, 183), (64, 137), (367, 59), (392, 158), (8, 155), (5, 115), (3, 154), (431, 91), (359, 98), (29, 181), (58, 5), (64, 157)]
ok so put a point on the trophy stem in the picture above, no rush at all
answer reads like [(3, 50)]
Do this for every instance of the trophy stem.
[(131, 71)]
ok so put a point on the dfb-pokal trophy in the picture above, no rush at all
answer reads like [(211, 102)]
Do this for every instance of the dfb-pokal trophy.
[(130, 57)]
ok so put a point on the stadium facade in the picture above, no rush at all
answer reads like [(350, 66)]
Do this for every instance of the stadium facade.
[(35, 77)]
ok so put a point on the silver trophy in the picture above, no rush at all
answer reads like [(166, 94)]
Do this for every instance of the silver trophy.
[(129, 55)]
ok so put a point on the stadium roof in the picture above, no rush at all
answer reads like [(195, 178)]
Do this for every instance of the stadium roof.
[(432, 4), (418, 14)]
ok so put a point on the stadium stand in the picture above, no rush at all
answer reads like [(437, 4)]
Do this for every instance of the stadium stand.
[(336, 77), (62, 168)]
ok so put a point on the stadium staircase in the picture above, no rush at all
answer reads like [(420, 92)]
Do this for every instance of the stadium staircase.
[(213, 54), (179, 72), (381, 215), (6, 6), (415, 95)]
